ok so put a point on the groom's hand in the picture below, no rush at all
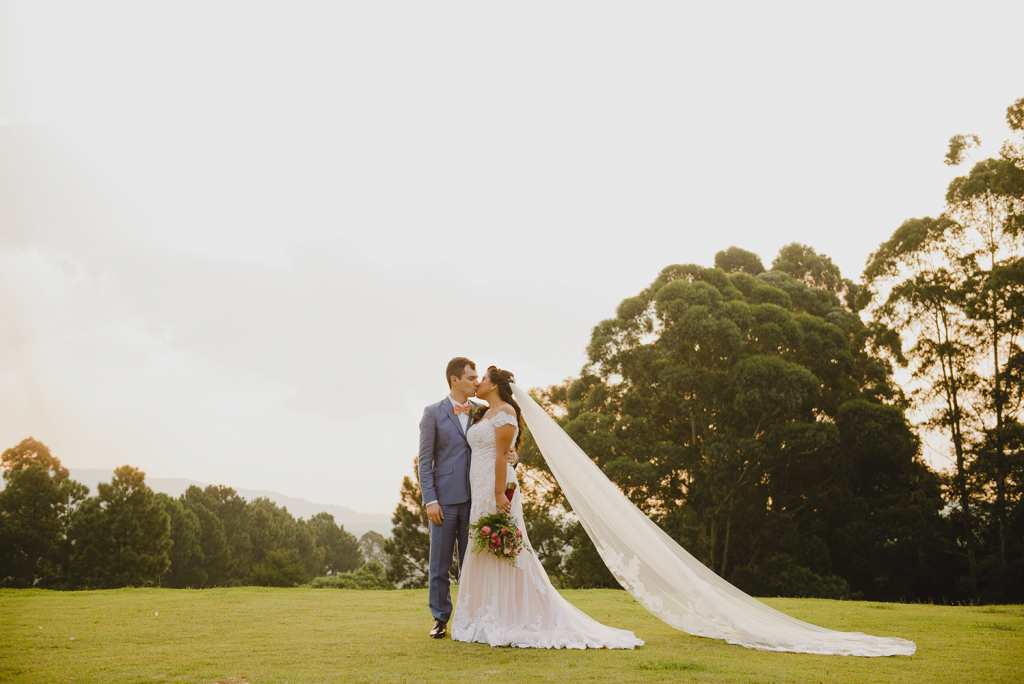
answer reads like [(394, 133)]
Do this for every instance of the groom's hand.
[(512, 457), (435, 514)]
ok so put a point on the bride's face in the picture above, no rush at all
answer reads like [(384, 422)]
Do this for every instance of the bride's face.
[(486, 388)]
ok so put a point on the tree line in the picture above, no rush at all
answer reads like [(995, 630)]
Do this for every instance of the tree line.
[(54, 535), (753, 413)]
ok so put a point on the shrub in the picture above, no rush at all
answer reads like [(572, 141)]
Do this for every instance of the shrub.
[(369, 576)]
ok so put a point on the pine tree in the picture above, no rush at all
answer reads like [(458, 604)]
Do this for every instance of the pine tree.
[(186, 552), (272, 528), (121, 537), (408, 550), (230, 560), (341, 548)]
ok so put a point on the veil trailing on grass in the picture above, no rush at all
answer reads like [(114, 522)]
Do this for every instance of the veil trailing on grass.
[(663, 577)]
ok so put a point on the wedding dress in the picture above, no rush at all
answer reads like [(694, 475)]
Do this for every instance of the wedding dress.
[(504, 605), (661, 575)]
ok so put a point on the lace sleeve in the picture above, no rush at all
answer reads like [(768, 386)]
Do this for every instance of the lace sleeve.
[(502, 418)]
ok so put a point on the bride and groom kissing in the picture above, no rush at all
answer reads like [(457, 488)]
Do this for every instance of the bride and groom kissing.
[(467, 458), (467, 454)]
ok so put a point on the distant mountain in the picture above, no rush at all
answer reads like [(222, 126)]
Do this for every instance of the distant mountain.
[(353, 521)]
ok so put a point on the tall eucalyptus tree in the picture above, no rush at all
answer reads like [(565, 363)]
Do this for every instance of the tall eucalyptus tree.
[(953, 287), (725, 402), (988, 203), (919, 288)]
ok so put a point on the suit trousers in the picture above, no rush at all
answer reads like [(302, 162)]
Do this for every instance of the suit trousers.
[(452, 533)]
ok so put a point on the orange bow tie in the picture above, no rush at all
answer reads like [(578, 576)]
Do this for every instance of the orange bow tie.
[(461, 409)]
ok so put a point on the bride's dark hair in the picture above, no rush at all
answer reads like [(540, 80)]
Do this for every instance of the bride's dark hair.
[(501, 378)]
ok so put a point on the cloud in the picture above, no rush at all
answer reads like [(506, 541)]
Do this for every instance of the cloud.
[(309, 373), (242, 248)]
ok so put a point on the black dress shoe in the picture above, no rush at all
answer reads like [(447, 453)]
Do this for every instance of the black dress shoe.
[(439, 630)]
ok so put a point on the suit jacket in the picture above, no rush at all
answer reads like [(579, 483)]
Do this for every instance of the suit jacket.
[(444, 455)]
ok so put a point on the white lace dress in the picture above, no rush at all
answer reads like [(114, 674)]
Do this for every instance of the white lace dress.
[(502, 605)]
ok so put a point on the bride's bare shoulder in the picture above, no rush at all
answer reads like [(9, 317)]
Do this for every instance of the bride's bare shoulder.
[(504, 408)]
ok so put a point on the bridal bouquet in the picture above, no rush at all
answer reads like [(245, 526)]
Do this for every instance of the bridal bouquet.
[(498, 534)]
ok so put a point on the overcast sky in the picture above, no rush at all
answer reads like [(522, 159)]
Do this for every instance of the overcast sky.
[(240, 241)]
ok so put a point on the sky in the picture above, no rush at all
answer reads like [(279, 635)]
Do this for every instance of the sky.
[(239, 242)]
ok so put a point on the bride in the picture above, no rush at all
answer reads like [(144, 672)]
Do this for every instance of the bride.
[(503, 605), (500, 604)]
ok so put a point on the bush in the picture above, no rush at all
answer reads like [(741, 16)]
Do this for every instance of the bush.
[(369, 576)]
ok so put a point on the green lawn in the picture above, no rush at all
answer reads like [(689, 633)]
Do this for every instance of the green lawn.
[(326, 635)]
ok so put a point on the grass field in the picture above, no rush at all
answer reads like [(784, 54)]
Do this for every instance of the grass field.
[(306, 635)]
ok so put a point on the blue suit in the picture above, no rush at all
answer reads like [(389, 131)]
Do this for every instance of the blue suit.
[(444, 477)]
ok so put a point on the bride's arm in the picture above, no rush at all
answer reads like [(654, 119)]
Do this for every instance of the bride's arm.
[(503, 437)]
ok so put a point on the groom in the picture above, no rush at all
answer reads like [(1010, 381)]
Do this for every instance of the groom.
[(444, 480)]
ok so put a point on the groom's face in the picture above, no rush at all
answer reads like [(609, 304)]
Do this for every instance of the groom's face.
[(468, 383)]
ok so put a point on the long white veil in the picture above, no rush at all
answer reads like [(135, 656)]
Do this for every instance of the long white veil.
[(663, 577)]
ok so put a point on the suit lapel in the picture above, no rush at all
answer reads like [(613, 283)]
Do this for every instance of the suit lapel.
[(449, 410)]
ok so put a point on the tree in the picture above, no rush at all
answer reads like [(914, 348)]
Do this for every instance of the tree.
[(371, 545), (272, 528), (186, 552), (279, 568), (227, 547), (408, 549), (713, 399), (1004, 582), (889, 536), (816, 271), (234, 514), (35, 508), (804, 264), (122, 536), (920, 266), (209, 567), (736, 260), (988, 207), (953, 287), (341, 548)]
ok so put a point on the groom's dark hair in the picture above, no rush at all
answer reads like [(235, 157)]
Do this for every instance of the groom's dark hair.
[(457, 367)]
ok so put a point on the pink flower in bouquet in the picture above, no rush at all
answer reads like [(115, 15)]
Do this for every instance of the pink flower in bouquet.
[(519, 534), (494, 537), (485, 530)]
